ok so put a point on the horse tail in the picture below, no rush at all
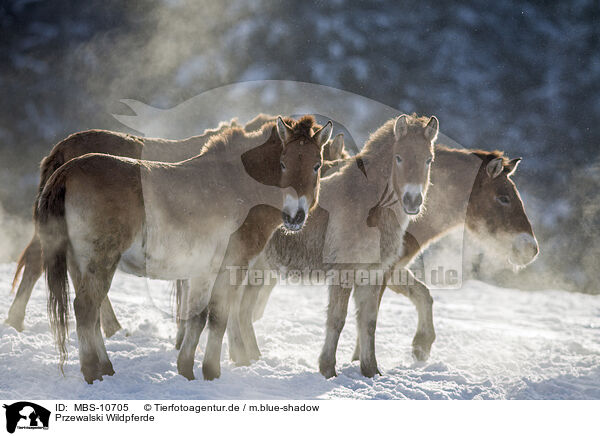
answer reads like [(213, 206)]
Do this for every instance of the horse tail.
[(51, 225), (48, 166), (20, 266)]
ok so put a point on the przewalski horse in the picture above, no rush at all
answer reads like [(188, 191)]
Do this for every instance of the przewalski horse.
[(29, 266), (391, 170), (170, 221), (490, 209), (333, 152), (470, 188)]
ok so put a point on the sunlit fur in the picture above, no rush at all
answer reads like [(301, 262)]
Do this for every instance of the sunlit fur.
[(347, 197), (98, 212)]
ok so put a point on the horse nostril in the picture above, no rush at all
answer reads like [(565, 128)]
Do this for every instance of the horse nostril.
[(419, 200), (412, 201), (525, 248), (286, 217), (299, 218)]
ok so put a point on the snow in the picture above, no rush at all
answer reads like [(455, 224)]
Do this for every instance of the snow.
[(492, 343)]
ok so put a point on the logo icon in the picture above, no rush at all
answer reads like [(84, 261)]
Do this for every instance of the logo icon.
[(25, 415)]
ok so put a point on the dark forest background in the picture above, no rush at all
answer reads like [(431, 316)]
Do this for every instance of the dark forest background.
[(519, 76)]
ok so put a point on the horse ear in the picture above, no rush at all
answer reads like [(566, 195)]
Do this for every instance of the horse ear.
[(337, 146), (323, 135), (512, 165), (432, 129), (401, 126), (283, 130), (494, 167)]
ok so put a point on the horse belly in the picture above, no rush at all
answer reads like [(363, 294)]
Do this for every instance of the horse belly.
[(171, 255), (133, 260)]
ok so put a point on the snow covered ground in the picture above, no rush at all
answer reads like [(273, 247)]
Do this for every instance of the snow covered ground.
[(491, 343)]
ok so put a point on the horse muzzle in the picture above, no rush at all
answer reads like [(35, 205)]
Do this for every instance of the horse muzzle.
[(294, 223), (294, 212), (411, 203), (524, 250)]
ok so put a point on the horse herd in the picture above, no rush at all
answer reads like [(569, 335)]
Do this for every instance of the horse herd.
[(276, 194)]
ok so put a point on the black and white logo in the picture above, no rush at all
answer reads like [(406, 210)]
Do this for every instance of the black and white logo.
[(25, 415)]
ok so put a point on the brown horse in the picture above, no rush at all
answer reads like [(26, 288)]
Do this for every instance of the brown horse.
[(393, 167), (494, 215), (333, 152), (170, 221), (471, 188), (29, 266)]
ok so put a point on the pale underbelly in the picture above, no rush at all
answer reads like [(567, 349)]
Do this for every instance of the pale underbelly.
[(172, 256)]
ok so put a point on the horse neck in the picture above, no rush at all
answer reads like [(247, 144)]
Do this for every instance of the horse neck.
[(452, 177), (262, 163), (372, 169)]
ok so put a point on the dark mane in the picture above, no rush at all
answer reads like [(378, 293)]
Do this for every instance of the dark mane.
[(484, 155), (302, 128), (382, 137), (235, 137)]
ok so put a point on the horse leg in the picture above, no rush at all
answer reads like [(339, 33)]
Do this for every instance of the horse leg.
[(356, 353), (32, 258), (244, 244), (336, 318), (240, 318), (221, 298), (182, 290), (261, 302), (106, 367), (193, 317), (91, 288), (193, 329), (366, 298), (248, 309), (418, 293), (108, 320), (237, 348)]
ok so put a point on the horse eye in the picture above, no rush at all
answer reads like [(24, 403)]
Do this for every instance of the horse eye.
[(282, 166), (317, 166), (428, 161), (503, 200), (398, 159)]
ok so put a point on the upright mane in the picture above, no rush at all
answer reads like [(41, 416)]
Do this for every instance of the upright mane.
[(239, 140), (485, 156), (302, 128), (381, 137)]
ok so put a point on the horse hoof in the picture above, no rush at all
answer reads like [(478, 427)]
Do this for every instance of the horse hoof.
[(107, 369), (327, 368), (369, 371), (189, 375), (419, 354), (328, 372), (18, 325), (421, 347), (110, 331), (254, 355), (186, 370), (211, 372), (90, 378)]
